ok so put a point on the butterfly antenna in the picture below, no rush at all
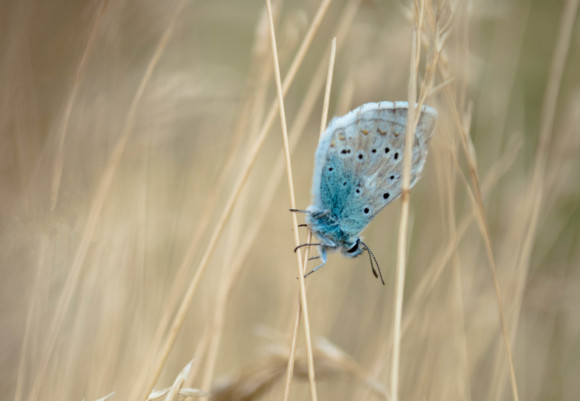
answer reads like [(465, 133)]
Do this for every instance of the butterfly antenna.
[(300, 211), (372, 258)]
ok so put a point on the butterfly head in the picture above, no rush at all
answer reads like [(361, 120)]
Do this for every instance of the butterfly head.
[(352, 248), (326, 228)]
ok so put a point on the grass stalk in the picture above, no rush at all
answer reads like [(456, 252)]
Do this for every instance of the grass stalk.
[(303, 301), (405, 194), (323, 123)]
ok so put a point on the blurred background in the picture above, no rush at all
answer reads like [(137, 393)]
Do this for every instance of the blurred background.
[(126, 129)]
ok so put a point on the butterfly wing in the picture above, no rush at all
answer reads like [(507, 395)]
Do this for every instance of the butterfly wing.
[(359, 161)]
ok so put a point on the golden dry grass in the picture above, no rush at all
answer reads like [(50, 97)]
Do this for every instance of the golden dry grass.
[(146, 240)]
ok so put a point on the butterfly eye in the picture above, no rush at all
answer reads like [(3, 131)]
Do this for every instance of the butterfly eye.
[(353, 248)]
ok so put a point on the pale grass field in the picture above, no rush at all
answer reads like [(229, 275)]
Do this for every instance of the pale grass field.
[(146, 240)]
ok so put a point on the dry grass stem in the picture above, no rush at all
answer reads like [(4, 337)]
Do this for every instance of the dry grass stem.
[(294, 335), (324, 119), (405, 193), (303, 301)]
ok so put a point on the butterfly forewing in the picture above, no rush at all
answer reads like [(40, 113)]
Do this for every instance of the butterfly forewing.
[(359, 161)]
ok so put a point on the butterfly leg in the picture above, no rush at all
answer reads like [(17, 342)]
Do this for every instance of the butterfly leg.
[(299, 211), (303, 245), (322, 257)]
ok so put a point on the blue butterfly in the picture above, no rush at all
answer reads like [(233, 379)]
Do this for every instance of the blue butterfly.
[(358, 171)]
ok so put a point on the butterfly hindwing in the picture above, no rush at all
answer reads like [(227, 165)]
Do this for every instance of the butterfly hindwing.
[(359, 161)]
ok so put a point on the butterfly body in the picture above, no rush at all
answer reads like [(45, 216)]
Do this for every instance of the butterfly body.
[(358, 171)]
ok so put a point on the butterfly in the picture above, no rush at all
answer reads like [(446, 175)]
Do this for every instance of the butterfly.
[(358, 170)]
